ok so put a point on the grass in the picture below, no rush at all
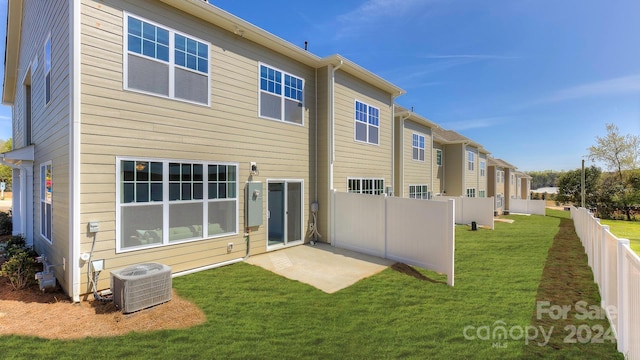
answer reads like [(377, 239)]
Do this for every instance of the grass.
[(625, 230), (255, 314)]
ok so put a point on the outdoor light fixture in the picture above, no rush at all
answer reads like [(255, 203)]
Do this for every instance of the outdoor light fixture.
[(254, 168)]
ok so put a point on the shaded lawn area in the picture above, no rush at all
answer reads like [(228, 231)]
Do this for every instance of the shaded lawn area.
[(625, 230), (255, 314)]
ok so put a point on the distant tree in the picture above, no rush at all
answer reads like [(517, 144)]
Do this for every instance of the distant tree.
[(6, 171), (570, 186), (546, 178), (620, 154)]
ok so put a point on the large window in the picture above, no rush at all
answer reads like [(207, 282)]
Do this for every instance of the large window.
[(365, 186), (483, 168), (46, 203), (418, 147), (419, 192), (281, 95), (200, 201), (47, 71), (471, 192), (367, 123), (471, 160), (161, 61), (438, 157)]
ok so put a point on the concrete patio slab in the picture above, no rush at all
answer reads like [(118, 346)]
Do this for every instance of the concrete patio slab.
[(322, 266)]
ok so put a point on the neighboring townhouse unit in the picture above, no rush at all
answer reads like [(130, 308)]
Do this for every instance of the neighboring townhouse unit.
[(181, 133), (501, 183), (461, 165), (414, 172), (523, 183)]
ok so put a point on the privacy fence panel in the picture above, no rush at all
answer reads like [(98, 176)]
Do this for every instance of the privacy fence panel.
[(523, 206), (416, 232), (616, 271), (468, 210)]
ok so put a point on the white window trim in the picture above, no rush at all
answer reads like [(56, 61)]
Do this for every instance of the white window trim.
[(43, 201), (367, 123), (366, 178), (471, 163), (165, 202), (441, 158), (424, 148), (483, 168), (282, 97), (473, 190), (172, 65), (425, 186)]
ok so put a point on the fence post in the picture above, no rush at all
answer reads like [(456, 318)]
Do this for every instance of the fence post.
[(623, 301), (604, 293)]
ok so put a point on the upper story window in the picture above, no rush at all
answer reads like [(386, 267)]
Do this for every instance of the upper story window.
[(439, 157), (471, 160), (367, 123), (418, 147), (365, 186), (163, 62), (47, 71), (281, 95), (483, 168)]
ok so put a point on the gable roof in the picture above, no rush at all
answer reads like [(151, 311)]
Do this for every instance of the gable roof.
[(451, 137), (500, 163), (402, 111)]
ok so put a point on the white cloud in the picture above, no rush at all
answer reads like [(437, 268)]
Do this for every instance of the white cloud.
[(620, 85), (374, 11)]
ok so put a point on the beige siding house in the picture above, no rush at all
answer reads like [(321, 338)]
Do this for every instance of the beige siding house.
[(186, 135), (501, 183), (461, 168), (415, 171)]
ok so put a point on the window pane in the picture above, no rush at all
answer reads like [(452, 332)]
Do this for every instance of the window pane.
[(186, 191), (128, 193), (197, 172), (142, 192), (222, 173), (197, 191), (231, 173), (361, 131), (141, 225), (174, 191), (156, 171), (222, 191), (373, 134), (213, 172), (127, 171), (142, 171), (149, 48), (163, 36), (186, 172), (174, 172), (222, 217), (135, 44), (163, 53), (134, 26), (185, 221), (156, 192), (231, 190), (213, 191)]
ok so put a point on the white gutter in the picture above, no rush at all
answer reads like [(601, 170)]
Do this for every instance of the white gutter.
[(331, 147), (74, 134)]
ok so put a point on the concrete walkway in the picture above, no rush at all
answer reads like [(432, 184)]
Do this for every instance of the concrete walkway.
[(322, 266)]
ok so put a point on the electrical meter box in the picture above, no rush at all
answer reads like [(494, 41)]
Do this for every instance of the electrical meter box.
[(254, 204)]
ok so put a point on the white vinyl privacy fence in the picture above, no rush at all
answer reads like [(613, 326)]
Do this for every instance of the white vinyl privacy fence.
[(524, 206), (412, 231), (470, 209), (616, 270)]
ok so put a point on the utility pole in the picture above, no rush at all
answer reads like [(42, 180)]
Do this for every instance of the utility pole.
[(582, 192)]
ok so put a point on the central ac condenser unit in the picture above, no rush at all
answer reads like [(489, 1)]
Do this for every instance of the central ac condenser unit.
[(141, 286)]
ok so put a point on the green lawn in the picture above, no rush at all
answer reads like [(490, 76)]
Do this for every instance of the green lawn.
[(255, 314), (625, 230)]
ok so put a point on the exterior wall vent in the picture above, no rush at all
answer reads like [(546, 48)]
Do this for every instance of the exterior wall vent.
[(141, 286)]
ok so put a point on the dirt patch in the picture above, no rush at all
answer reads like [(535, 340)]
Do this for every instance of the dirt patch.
[(52, 315), (408, 270)]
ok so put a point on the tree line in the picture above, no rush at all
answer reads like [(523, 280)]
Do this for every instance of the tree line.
[(612, 193)]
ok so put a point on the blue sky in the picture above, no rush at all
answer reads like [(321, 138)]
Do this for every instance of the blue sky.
[(534, 81)]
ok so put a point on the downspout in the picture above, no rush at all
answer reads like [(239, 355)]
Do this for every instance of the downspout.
[(315, 136), (331, 147), (74, 194), (431, 161), (401, 156)]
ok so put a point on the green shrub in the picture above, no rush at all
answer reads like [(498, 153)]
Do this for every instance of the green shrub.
[(20, 269), (16, 244), (6, 225)]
